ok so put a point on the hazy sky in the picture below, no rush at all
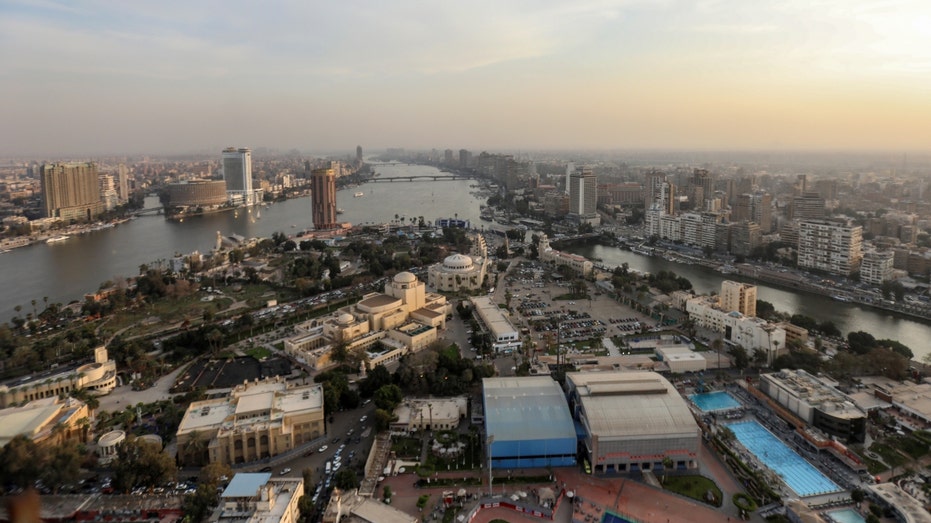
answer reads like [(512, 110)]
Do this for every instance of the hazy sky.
[(93, 76)]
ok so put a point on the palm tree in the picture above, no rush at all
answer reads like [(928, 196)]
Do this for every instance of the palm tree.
[(667, 464)]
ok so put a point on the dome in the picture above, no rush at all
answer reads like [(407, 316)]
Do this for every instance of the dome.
[(346, 319), (404, 277), (458, 262)]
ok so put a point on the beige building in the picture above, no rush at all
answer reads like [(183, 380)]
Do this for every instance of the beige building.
[(45, 421), (257, 420), (740, 297), (404, 314), (351, 507), (579, 264), (632, 421), (97, 377), (259, 498), (70, 191), (830, 245), (457, 272), (415, 415)]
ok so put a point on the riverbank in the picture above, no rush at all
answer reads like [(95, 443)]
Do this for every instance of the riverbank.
[(8, 244), (785, 278)]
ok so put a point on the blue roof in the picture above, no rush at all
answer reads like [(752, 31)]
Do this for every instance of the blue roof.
[(526, 408), (246, 485)]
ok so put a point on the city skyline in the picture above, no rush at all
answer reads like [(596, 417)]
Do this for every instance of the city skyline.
[(597, 75)]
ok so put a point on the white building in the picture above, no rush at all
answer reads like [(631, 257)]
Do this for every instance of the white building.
[(428, 414), (817, 402), (457, 272), (503, 334), (877, 267), (237, 172), (830, 245), (583, 195), (753, 334)]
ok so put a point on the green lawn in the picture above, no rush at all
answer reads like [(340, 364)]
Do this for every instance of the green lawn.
[(695, 487), (258, 353)]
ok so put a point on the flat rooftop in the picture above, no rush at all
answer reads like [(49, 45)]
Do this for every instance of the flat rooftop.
[(491, 314), (815, 392), (631, 403), (526, 408)]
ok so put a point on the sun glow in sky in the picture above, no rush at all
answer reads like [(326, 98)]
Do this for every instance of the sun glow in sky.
[(99, 76)]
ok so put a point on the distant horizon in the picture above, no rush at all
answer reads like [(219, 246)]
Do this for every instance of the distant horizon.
[(97, 77)]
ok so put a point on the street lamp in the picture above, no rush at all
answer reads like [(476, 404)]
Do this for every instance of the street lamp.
[(488, 442)]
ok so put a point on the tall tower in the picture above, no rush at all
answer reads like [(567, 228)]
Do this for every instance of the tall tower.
[(583, 193), (237, 172), (123, 182), (323, 198), (570, 168), (70, 191), (359, 153)]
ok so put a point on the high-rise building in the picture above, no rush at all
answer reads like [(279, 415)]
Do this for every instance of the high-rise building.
[(70, 191), (652, 188), (583, 194), (830, 245), (740, 297), (108, 195), (570, 168), (745, 236), (237, 172), (359, 153), (762, 211), (808, 206), (448, 158), (465, 159), (123, 182), (323, 198)]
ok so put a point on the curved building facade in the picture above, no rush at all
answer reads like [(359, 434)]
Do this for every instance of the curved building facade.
[(197, 193), (457, 272)]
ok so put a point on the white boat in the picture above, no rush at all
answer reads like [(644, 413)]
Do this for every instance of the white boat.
[(358, 195), (57, 239)]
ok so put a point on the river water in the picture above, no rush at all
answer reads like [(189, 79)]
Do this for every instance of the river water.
[(67, 270), (847, 316)]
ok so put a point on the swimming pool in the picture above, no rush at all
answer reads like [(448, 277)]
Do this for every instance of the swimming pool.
[(611, 517), (711, 401), (798, 474), (847, 515)]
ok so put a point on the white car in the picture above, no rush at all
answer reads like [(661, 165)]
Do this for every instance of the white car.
[(285, 471), (322, 449), (363, 418)]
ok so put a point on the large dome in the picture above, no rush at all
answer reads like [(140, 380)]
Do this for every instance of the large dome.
[(458, 262), (405, 277), (346, 319)]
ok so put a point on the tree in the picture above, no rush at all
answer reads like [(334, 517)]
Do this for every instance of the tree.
[(63, 465), (346, 479), (857, 495), (740, 357), (140, 463), (21, 462), (388, 397)]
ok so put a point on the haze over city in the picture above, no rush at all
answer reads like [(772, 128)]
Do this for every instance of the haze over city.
[(114, 77)]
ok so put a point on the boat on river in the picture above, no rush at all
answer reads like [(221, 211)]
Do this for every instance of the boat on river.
[(57, 239)]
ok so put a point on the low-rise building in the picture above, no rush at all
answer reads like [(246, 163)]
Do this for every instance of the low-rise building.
[(49, 421), (578, 264), (414, 415), (457, 272), (816, 401), (632, 421), (97, 377), (258, 497), (259, 419), (503, 333), (753, 334)]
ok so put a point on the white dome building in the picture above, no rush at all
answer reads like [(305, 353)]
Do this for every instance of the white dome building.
[(457, 272)]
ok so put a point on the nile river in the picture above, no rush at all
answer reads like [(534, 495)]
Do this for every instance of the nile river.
[(65, 271)]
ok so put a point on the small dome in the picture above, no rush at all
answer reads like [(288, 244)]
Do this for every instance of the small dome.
[(346, 319), (405, 277)]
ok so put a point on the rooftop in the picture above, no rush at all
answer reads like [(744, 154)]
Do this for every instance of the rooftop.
[(815, 392), (631, 403), (246, 485), (526, 408)]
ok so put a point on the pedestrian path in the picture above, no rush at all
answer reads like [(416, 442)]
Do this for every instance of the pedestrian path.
[(612, 348)]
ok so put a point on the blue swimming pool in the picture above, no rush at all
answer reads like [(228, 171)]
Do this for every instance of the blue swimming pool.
[(798, 474), (610, 517), (711, 401), (847, 515)]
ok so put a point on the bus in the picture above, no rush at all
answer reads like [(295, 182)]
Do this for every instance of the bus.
[(329, 467)]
